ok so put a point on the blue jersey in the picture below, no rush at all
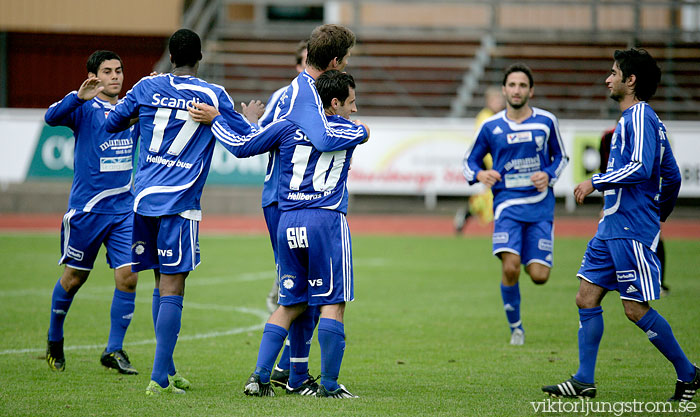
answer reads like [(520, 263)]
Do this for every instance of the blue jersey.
[(269, 192), (301, 105), (308, 178), (175, 152), (642, 180), (102, 162), (518, 151)]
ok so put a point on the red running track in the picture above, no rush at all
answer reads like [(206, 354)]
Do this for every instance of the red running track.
[(361, 224)]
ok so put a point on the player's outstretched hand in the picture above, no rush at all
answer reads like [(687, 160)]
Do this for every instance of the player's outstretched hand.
[(90, 88), (488, 177), (253, 110), (540, 180), (582, 190), (203, 113)]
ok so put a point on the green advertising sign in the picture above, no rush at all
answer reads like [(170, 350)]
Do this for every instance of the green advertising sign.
[(53, 160), (226, 169), (53, 156), (585, 155)]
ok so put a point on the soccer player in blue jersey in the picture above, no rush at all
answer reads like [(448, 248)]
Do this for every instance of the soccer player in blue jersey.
[(269, 193), (640, 187), (174, 160), (280, 374), (99, 208), (528, 158), (314, 180)]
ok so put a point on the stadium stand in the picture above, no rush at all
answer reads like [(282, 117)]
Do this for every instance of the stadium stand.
[(399, 77), (569, 77)]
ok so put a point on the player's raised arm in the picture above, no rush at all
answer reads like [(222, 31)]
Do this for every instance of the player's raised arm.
[(120, 117)]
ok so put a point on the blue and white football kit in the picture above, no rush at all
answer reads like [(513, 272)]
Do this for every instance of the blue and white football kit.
[(621, 257), (100, 201), (523, 216), (99, 207), (174, 159), (519, 150), (309, 181), (312, 197), (640, 187)]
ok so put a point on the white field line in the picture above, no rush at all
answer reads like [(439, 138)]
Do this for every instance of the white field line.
[(259, 314)]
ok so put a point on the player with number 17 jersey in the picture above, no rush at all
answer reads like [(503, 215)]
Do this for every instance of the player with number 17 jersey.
[(175, 151)]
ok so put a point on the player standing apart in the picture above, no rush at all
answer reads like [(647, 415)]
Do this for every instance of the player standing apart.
[(99, 208), (528, 157), (174, 159), (640, 187)]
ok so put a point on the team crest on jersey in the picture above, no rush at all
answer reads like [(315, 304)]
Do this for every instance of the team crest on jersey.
[(519, 137), (139, 247), (539, 140)]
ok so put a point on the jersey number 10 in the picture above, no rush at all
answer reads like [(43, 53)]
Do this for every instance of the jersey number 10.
[(321, 181)]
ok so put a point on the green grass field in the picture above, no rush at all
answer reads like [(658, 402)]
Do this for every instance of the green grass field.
[(426, 335)]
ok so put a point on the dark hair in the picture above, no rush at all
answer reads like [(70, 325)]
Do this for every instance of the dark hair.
[(639, 63), (185, 48), (98, 57), (328, 42), (519, 67), (301, 47), (334, 84)]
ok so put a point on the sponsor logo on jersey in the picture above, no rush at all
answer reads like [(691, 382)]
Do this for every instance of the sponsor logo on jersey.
[(531, 163), (631, 289), (167, 162), (501, 237), (74, 253), (519, 137), (165, 252), (497, 130), (624, 276), (116, 144), (316, 282), (180, 103)]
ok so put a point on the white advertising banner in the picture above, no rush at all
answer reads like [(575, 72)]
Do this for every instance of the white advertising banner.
[(408, 156)]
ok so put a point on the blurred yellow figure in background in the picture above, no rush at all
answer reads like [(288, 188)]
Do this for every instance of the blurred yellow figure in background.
[(481, 205)]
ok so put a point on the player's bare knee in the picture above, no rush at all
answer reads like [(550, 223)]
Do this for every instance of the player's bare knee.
[(585, 301), (539, 279), (634, 310), (72, 279), (126, 280)]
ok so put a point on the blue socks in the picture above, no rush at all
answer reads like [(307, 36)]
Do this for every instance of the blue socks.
[(300, 334), (511, 304), (167, 329), (331, 337), (286, 352), (270, 345), (155, 307), (660, 335), (589, 334), (60, 303), (121, 313)]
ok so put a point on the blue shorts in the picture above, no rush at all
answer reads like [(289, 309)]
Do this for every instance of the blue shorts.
[(533, 242), (315, 257), (622, 265), (272, 219), (168, 243), (83, 233)]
